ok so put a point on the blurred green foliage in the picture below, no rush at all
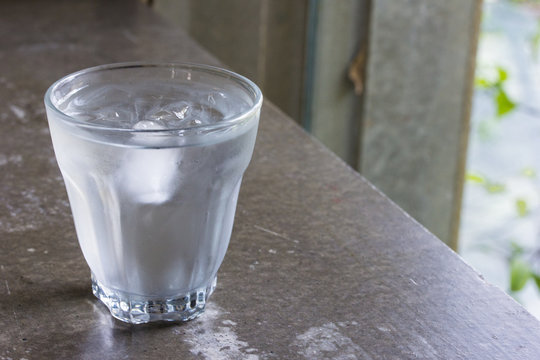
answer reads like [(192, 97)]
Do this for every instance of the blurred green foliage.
[(521, 270), (535, 42), (520, 273), (522, 207), (496, 87), (529, 172), (523, 263), (491, 187)]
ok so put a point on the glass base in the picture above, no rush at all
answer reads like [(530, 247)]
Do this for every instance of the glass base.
[(137, 309)]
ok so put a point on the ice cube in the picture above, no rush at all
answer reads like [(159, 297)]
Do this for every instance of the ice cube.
[(164, 115), (195, 122), (170, 114), (150, 175), (202, 114), (182, 113), (149, 125), (180, 109)]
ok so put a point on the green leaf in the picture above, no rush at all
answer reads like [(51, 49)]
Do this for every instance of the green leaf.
[(529, 172), (482, 83), (522, 208), (516, 249), (503, 74), (536, 280), (475, 178), (491, 187), (519, 274), (535, 45), (495, 188), (503, 103)]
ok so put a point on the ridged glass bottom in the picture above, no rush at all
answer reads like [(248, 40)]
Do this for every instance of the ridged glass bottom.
[(136, 309)]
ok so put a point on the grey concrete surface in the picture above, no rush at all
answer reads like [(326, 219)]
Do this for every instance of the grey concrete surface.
[(321, 265)]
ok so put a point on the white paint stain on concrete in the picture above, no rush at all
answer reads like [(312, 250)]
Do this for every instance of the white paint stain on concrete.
[(5, 83), (13, 228), (213, 339), (329, 342), (268, 231), (11, 159), (27, 212), (421, 348), (19, 113), (130, 36), (383, 329)]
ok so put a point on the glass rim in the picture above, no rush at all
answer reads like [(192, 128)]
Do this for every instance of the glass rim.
[(250, 87)]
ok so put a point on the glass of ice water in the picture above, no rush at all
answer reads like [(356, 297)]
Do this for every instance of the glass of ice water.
[(152, 156)]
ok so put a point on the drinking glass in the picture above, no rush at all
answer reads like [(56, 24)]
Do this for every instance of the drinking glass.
[(152, 156)]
